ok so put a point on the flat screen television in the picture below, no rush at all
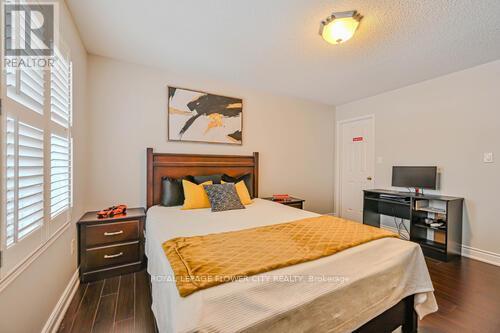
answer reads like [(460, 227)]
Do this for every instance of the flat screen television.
[(414, 176)]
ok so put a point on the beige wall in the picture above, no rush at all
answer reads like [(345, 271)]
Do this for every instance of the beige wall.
[(127, 105), (449, 122), (27, 302)]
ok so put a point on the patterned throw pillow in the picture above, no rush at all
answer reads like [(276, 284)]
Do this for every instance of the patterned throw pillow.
[(223, 197)]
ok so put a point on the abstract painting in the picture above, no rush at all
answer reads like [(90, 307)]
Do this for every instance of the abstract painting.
[(202, 117)]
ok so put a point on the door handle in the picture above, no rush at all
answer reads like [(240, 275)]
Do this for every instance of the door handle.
[(368, 178), (113, 233), (110, 256)]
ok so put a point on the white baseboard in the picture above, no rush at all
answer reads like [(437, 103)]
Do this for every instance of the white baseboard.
[(481, 255), (62, 305), (467, 251)]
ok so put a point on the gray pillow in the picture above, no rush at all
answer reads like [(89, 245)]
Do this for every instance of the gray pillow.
[(223, 197)]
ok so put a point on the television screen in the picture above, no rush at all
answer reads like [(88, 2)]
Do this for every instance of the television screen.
[(411, 176)]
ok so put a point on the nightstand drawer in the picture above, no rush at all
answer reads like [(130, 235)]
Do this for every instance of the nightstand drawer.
[(291, 201), (295, 205), (112, 233), (112, 255)]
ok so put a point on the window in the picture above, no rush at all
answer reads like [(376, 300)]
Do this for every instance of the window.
[(60, 146), (37, 155), (24, 180), (60, 91), (60, 174), (25, 86)]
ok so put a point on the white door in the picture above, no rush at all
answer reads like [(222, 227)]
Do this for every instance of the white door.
[(357, 159)]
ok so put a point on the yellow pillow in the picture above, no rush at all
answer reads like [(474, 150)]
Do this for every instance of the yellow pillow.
[(243, 193), (194, 195)]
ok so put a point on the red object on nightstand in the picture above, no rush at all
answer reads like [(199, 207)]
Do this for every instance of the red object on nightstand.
[(112, 211), (280, 197)]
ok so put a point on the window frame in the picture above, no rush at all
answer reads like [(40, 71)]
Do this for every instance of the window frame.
[(18, 255)]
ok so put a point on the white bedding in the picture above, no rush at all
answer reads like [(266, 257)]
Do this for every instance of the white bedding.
[(338, 293)]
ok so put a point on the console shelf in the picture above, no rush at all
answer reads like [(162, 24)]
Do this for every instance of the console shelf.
[(389, 201), (402, 205), (425, 226), (432, 210), (426, 243)]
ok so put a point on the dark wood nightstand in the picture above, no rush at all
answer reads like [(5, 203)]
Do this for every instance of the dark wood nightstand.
[(292, 202), (110, 246)]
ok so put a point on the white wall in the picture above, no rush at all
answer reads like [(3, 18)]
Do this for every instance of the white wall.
[(27, 302), (127, 105), (450, 122)]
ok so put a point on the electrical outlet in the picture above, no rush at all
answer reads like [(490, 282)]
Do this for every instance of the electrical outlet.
[(72, 246), (488, 158)]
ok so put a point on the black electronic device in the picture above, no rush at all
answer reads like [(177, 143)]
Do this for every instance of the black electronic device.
[(415, 176)]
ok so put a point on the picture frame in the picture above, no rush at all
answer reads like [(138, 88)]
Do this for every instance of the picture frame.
[(199, 116)]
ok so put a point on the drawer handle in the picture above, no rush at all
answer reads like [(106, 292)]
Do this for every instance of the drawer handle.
[(113, 233), (111, 256)]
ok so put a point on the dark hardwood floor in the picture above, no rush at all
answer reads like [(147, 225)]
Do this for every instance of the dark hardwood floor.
[(468, 296), (467, 292), (118, 304)]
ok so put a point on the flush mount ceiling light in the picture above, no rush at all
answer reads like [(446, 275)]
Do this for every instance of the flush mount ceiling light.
[(339, 27)]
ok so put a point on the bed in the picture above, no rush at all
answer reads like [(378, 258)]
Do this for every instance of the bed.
[(377, 286)]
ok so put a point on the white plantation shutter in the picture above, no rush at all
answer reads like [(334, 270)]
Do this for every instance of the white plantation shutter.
[(61, 91), (10, 74), (10, 180), (26, 87), (36, 164), (36, 43), (19, 23), (24, 186), (60, 175), (30, 179), (60, 140), (31, 88)]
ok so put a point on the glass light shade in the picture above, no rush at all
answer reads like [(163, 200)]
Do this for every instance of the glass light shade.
[(337, 30)]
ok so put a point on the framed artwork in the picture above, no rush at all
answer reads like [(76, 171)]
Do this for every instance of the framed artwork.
[(196, 116)]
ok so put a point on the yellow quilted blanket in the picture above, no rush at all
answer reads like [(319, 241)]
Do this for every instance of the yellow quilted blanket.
[(201, 262)]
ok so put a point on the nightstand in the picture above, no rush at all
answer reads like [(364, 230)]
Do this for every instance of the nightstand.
[(110, 246), (292, 202)]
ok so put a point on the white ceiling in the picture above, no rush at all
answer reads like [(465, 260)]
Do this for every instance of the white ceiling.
[(274, 45)]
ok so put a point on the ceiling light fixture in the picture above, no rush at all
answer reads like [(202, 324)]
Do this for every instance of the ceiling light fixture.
[(339, 27)]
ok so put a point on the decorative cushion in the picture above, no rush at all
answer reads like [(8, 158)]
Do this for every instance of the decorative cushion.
[(172, 193), (223, 197), (242, 191), (194, 195), (247, 178), (216, 179)]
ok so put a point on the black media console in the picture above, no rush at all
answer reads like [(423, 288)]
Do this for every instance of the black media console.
[(439, 242)]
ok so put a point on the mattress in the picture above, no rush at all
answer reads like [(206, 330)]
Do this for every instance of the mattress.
[(338, 293)]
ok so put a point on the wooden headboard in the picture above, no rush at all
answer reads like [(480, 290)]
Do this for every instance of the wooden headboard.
[(180, 165)]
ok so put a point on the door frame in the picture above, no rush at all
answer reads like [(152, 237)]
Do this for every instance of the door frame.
[(338, 165)]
